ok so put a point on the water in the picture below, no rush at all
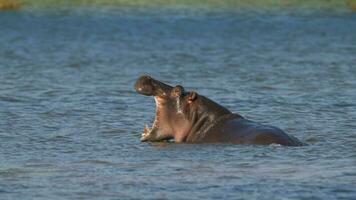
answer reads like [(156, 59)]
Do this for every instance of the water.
[(70, 120)]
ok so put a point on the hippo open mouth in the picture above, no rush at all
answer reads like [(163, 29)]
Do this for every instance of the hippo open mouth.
[(155, 125), (146, 85)]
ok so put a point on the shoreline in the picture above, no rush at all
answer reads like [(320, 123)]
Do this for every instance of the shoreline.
[(268, 5)]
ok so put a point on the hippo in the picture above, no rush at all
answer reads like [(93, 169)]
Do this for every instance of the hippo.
[(188, 117)]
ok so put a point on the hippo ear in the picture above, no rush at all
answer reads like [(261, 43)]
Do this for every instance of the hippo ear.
[(177, 91), (192, 96)]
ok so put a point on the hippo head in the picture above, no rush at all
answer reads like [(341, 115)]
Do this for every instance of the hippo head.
[(178, 113)]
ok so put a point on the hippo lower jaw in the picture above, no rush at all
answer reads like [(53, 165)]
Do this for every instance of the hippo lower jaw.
[(149, 132), (146, 133)]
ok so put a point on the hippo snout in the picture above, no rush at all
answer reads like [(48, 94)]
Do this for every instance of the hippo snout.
[(144, 86), (148, 86)]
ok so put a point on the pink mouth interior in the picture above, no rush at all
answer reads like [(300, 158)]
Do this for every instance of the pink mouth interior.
[(159, 105)]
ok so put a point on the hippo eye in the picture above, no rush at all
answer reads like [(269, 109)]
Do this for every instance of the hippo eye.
[(177, 91)]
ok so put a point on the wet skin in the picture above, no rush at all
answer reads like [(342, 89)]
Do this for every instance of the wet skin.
[(192, 118)]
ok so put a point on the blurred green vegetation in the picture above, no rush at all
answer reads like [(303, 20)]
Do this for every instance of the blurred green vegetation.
[(232, 4), (9, 5)]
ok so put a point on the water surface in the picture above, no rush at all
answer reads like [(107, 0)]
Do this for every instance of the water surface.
[(70, 120)]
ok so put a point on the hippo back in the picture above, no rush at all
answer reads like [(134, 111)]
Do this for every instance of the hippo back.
[(238, 130)]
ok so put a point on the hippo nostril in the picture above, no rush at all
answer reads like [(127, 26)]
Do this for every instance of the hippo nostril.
[(147, 77)]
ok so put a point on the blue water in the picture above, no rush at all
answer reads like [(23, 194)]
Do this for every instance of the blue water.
[(70, 121)]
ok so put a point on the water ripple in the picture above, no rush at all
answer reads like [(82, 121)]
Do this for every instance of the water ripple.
[(70, 120)]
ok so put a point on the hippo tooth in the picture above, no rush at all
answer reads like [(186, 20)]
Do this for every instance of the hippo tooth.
[(146, 130)]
